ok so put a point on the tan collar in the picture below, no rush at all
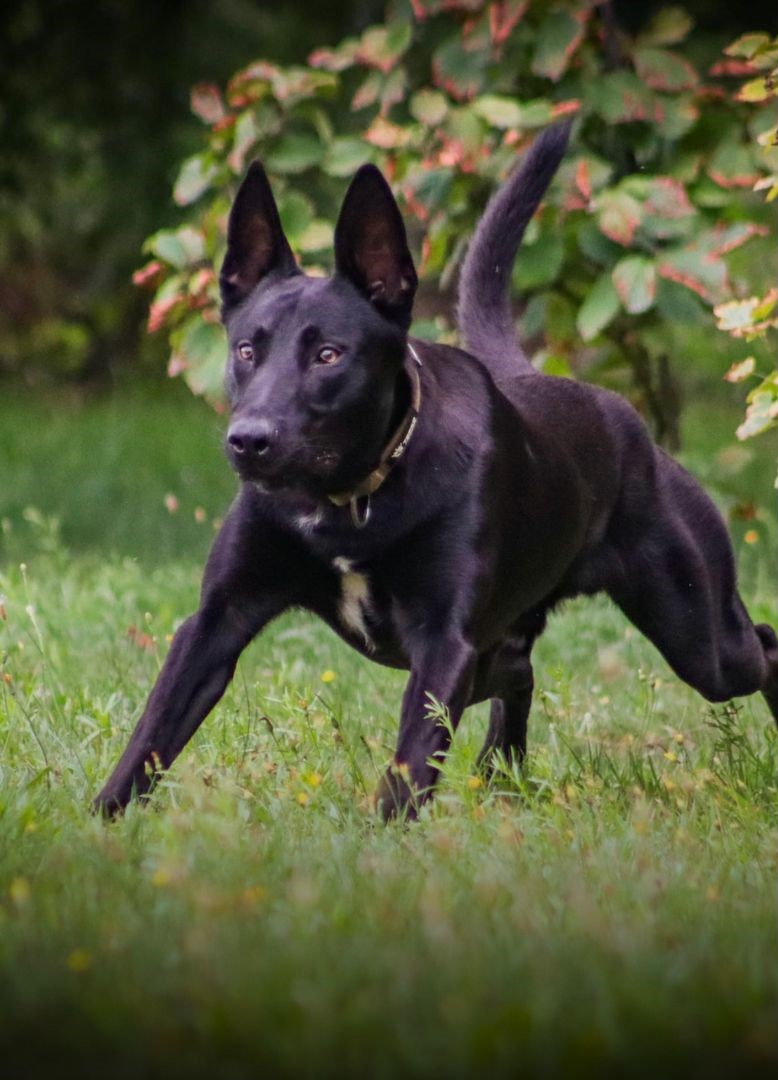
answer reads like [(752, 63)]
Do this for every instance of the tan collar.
[(358, 498)]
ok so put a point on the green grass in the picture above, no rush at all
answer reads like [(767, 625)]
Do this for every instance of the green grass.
[(611, 912)]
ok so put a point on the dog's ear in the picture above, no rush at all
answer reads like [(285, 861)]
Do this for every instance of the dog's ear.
[(256, 245), (371, 248)]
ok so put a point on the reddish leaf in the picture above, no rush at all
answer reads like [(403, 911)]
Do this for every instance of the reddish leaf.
[(698, 267), (722, 239), (148, 274), (565, 108), (737, 68), (580, 196), (338, 59), (732, 166), (503, 16), (160, 311), (244, 137), (741, 370), (386, 135), (667, 198), (250, 84), (664, 70), (206, 102), (619, 216), (367, 92), (382, 46)]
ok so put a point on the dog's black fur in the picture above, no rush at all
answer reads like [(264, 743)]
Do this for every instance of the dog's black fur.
[(516, 491)]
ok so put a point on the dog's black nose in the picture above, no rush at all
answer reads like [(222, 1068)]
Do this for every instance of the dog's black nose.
[(250, 437)]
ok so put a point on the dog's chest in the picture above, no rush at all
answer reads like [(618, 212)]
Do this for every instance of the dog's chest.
[(356, 603)]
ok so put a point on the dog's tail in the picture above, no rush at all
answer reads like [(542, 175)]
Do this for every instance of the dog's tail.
[(484, 309)]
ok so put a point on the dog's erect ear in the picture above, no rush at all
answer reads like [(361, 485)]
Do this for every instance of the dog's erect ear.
[(256, 245), (371, 248)]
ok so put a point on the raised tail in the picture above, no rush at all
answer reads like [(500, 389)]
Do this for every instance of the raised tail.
[(484, 309)]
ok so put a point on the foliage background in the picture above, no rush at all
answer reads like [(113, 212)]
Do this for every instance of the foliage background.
[(634, 242)]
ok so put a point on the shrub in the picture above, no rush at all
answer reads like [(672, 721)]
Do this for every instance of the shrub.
[(632, 239)]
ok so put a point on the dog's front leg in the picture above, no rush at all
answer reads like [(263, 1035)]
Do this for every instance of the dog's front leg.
[(194, 676), (442, 671)]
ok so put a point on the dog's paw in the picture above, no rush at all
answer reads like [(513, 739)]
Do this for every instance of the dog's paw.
[(107, 806), (395, 798)]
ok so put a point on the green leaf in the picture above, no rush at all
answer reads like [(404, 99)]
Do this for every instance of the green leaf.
[(599, 308), (199, 350), (535, 113), (316, 237), (344, 156), (595, 246), (635, 280), (455, 69), (621, 98), (500, 112), (747, 45), (296, 213), (557, 39), (539, 264), (761, 414), (393, 88), (293, 154), (677, 304), (755, 90), (429, 107), (676, 114), (669, 26), (194, 178), (664, 70), (179, 247)]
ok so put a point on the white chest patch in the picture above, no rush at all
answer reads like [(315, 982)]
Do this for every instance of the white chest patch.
[(355, 601), (306, 523)]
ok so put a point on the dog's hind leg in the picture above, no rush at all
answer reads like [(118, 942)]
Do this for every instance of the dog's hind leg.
[(510, 681), (675, 581)]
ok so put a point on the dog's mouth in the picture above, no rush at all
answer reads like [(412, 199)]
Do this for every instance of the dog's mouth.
[(313, 470)]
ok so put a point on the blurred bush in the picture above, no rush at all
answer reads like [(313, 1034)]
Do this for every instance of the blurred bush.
[(633, 241), (94, 119)]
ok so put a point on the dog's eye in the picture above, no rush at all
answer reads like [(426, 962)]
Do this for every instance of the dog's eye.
[(246, 351), (328, 354)]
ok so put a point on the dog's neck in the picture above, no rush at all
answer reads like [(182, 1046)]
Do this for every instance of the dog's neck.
[(357, 498)]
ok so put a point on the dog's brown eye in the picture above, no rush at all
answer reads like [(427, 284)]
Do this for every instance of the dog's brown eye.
[(246, 351), (328, 355)]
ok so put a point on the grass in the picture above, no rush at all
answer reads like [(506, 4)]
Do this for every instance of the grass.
[(609, 912)]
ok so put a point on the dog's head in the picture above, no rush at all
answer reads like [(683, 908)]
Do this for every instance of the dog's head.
[(314, 376)]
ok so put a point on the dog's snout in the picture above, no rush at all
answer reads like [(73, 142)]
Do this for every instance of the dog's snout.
[(250, 438)]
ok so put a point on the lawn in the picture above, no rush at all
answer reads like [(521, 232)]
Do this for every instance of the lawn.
[(610, 912)]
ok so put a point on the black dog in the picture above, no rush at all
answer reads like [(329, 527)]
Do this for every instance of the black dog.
[(431, 505)]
